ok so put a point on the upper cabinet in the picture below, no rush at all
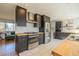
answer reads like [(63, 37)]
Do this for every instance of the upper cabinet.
[(20, 16), (44, 19), (37, 18)]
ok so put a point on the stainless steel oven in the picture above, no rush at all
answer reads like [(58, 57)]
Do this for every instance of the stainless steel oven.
[(32, 42)]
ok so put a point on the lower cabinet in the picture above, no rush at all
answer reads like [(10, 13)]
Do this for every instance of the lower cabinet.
[(41, 39), (21, 43), (61, 35), (28, 42)]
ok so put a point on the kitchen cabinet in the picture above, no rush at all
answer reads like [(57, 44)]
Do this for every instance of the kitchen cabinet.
[(21, 43), (20, 16), (35, 24), (41, 39), (37, 18), (26, 41), (60, 35), (58, 26)]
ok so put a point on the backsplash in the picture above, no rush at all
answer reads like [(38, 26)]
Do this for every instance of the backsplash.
[(28, 28)]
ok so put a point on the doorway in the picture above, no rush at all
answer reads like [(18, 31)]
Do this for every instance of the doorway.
[(7, 38)]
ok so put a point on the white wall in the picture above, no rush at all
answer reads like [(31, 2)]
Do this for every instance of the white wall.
[(7, 12), (74, 24), (29, 28)]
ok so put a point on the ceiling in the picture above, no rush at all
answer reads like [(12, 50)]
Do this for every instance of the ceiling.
[(54, 10), (7, 11), (59, 10)]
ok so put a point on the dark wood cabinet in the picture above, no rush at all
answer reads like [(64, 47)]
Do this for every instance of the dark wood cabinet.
[(43, 20), (58, 26), (60, 35), (21, 43), (41, 39), (20, 16), (26, 42), (37, 18), (46, 18), (35, 24)]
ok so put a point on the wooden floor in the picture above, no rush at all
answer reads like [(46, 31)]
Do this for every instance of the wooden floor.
[(7, 48)]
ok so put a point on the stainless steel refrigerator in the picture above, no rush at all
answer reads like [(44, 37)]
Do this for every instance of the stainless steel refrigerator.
[(47, 32), (47, 29)]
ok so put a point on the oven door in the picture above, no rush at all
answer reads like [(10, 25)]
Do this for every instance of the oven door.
[(32, 43)]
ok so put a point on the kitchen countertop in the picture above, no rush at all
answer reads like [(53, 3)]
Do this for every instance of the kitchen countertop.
[(67, 48), (28, 34), (71, 32)]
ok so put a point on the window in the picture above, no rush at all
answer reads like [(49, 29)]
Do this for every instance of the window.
[(9, 27)]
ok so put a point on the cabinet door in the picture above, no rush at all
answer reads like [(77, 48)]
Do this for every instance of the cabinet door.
[(35, 24), (20, 16), (41, 39), (38, 19), (22, 43)]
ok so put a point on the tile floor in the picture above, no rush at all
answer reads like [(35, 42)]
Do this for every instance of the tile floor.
[(43, 49)]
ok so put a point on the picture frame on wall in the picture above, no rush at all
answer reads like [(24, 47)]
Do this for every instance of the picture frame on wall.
[(30, 16)]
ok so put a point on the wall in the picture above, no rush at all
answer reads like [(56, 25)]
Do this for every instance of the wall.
[(29, 26), (2, 27), (73, 25), (57, 11), (7, 12)]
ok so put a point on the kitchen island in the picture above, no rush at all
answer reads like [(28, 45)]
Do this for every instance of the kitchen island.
[(69, 47)]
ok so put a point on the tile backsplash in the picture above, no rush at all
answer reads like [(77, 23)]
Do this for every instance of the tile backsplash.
[(28, 28)]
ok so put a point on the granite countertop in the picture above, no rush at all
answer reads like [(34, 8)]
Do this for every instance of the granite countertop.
[(66, 48), (29, 34)]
